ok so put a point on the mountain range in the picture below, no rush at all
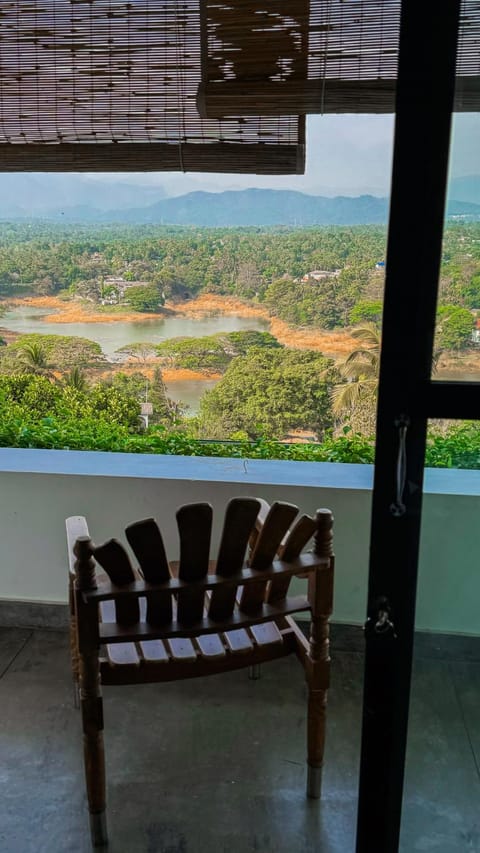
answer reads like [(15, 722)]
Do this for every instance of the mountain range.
[(78, 199)]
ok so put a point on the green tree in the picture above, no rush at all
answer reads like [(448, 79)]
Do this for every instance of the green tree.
[(141, 352), (142, 389), (212, 353), (270, 392), (113, 405), (366, 312), (148, 299), (355, 398), (165, 410), (29, 394), (32, 358), (76, 378), (454, 328), (60, 351), (470, 292)]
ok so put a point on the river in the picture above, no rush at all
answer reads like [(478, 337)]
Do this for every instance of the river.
[(26, 319)]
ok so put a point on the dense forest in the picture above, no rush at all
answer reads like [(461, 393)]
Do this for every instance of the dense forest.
[(266, 266), (63, 392)]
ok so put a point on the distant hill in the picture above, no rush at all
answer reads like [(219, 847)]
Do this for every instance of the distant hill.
[(256, 207), (35, 194), (96, 202)]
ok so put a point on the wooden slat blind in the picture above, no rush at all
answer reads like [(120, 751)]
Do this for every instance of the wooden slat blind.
[(315, 56), (112, 85)]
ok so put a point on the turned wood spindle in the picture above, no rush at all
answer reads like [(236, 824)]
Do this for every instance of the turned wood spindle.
[(320, 594), (85, 566), (91, 703)]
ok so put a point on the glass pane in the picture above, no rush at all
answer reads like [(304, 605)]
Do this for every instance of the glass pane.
[(442, 784), (225, 316), (457, 337)]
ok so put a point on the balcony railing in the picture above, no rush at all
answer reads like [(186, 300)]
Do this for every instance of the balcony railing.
[(40, 488)]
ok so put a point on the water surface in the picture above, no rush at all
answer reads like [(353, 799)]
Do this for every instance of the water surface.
[(112, 336), (27, 319)]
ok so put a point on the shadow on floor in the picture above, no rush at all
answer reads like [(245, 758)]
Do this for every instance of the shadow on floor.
[(218, 764)]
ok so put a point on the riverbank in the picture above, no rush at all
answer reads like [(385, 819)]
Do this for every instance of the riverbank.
[(460, 367), (335, 344), (80, 312)]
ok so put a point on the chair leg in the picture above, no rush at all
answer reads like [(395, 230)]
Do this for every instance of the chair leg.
[(74, 656), (254, 672), (317, 704), (76, 694), (94, 758)]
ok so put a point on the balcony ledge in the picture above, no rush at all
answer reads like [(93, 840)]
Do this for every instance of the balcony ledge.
[(326, 475), (40, 488)]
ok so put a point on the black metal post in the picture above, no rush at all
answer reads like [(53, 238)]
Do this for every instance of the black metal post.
[(424, 101)]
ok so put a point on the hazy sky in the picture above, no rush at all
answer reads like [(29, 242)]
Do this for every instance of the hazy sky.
[(346, 154)]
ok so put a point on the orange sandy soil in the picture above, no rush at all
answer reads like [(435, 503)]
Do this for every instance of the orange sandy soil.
[(78, 312), (169, 374), (331, 343)]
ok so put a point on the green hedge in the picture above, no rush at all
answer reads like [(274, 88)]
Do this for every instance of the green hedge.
[(459, 448)]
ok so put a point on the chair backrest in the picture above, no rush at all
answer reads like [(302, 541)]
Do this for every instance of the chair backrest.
[(195, 595)]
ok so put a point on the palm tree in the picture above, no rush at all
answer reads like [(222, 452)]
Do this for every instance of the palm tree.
[(33, 359), (76, 379), (360, 370)]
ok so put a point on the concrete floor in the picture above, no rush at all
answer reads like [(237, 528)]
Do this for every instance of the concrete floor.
[(217, 764)]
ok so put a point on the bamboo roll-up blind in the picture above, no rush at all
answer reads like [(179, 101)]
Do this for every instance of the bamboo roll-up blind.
[(314, 56), (111, 85)]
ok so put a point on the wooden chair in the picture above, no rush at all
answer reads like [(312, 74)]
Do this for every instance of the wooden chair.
[(165, 621)]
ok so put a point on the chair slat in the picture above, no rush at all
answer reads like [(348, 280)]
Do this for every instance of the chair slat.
[(266, 634), (239, 522), (276, 524), (295, 541), (154, 651), (146, 541), (115, 560), (181, 648), (238, 641), (120, 654), (210, 646), (195, 530), (264, 510)]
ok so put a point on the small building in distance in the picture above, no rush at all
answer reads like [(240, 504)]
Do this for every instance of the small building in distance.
[(318, 275)]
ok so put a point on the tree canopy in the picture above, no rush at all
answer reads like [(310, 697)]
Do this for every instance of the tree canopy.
[(56, 351), (148, 299), (454, 327), (212, 353), (270, 392)]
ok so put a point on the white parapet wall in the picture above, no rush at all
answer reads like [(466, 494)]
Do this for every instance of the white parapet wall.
[(40, 488)]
